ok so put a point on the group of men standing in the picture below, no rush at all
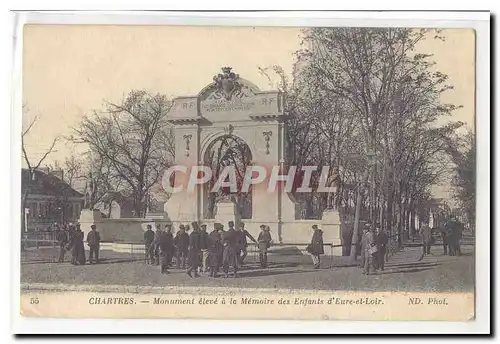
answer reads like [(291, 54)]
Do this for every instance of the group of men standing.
[(451, 234), (71, 238), (373, 249), (203, 252)]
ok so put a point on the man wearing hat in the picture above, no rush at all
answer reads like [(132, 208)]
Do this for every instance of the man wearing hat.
[(230, 242), (382, 239), (194, 250), (156, 245), (181, 242), (315, 248), (264, 239), (243, 243), (168, 232), (166, 246), (215, 249), (149, 237), (93, 240)]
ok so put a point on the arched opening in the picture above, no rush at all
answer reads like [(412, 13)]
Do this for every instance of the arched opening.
[(227, 150)]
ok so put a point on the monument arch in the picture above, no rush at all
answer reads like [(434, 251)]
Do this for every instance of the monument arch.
[(233, 110)]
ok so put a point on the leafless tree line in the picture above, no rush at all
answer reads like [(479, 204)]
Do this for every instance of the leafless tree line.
[(364, 101), (361, 100)]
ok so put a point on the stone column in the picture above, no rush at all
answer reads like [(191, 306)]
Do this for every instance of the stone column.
[(226, 211), (330, 224), (183, 206), (88, 218)]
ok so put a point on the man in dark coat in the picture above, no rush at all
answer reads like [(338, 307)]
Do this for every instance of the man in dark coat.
[(168, 232), (204, 243), (458, 237), (455, 235), (230, 242), (149, 237), (93, 240), (181, 242), (426, 235), (243, 252), (315, 248), (382, 239), (166, 246), (215, 250), (194, 251), (156, 245), (264, 241), (62, 240), (76, 245)]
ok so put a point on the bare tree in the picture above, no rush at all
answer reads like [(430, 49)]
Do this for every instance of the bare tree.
[(462, 150), (32, 164), (365, 92), (71, 172), (130, 138)]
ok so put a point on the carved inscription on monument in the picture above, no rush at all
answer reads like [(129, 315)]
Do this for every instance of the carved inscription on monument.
[(228, 106)]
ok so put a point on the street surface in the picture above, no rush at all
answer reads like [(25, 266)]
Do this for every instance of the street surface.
[(403, 272)]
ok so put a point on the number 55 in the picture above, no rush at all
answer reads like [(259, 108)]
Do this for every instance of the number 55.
[(34, 301)]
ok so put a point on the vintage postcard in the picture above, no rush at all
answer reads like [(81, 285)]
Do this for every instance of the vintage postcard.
[(248, 172)]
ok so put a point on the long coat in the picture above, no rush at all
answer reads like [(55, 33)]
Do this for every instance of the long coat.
[(149, 237), (382, 239), (215, 249), (78, 250), (194, 249), (230, 241), (204, 240), (166, 243), (181, 241), (317, 243)]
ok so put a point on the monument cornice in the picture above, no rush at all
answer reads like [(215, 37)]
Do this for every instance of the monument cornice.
[(185, 120), (266, 117)]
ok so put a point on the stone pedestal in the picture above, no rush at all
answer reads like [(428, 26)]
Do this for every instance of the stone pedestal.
[(226, 211), (330, 223), (88, 218)]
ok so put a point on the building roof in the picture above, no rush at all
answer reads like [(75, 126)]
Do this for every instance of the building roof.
[(46, 184)]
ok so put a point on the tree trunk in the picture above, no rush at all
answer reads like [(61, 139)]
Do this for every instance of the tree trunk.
[(389, 211), (355, 235), (23, 205)]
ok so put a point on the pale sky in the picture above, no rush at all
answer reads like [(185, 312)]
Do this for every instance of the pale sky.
[(69, 70)]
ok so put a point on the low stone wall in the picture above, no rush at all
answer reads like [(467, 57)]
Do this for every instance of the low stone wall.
[(297, 233), (130, 230)]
